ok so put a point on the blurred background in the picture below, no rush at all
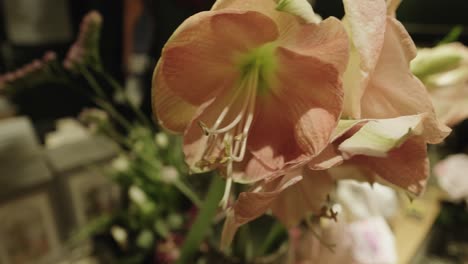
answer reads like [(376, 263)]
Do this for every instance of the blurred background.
[(54, 171)]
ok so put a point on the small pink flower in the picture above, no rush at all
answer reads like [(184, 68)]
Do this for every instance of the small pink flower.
[(86, 47)]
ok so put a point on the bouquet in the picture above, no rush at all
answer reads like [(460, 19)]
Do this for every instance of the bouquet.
[(275, 105)]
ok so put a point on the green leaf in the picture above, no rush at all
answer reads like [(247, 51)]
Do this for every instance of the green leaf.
[(203, 221)]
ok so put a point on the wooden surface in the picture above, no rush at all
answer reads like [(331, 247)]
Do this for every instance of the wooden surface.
[(412, 225)]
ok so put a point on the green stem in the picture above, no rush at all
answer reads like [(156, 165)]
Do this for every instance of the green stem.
[(114, 113), (276, 231), (246, 245), (117, 87), (203, 221), (92, 82), (183, 188), (103, 98)]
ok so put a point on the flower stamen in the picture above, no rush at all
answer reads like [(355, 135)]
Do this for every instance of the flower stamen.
[(233, 145)]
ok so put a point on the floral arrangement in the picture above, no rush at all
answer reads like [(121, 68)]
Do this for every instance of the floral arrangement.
[(284, 104), (275, 105)]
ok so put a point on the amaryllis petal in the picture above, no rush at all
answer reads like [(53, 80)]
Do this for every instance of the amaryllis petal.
[(300, 8), (172, 112), (451, 104), (406, 167), (392, 6), (377, 137), (309, 93), (366, 21), (284, 21), (307, 196), (199, 61), (251, 170), (344, 126), (394, 91), (251, 205), (327, 41), (328, 158), (279, 145)]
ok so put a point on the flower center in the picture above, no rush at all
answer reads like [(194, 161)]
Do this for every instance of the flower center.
[(230, 135), (262, 60)]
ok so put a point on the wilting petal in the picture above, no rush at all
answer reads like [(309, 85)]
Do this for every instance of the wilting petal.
[(366, 22), (251, 205), (406, 167), (378, 137), (392, 6), (300, 8), (394, 91), (199, 60), (305, 197), (172, 112)]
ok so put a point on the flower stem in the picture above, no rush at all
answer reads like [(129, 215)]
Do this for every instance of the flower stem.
[(118, 88), (183, 188), (276, 231), (114, 113), (92, 82), (103, 99), (203, 221)]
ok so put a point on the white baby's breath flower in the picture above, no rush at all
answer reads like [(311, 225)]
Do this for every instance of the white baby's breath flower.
[(120, 236), (137, 195), (162, 140), (169, 174), (120, 164)]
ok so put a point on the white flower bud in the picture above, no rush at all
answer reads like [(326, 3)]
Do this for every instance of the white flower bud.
[(162, 140), (120, 164), (169, 174), (137, 195), (120, 236)]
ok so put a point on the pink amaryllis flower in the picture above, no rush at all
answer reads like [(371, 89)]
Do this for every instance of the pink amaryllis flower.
[(378, 82), (389, 121), (252, 89)]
